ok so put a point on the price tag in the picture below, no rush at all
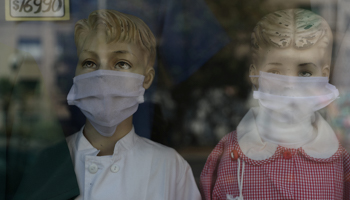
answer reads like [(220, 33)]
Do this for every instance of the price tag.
[(36, 10)]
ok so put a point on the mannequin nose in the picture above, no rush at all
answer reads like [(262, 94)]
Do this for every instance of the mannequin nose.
[(290, 70), (291, 73), (104, 66)]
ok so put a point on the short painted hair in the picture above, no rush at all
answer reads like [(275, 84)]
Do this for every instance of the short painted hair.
[(119, 27), (298, 28)]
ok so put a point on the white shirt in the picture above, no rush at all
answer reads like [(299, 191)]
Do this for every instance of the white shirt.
[(138, 169)]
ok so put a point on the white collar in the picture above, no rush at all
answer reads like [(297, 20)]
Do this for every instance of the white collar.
[(324, 145), (124, 144)]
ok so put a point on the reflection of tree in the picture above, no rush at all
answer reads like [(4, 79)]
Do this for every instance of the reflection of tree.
[(211, 101), (34, 157)]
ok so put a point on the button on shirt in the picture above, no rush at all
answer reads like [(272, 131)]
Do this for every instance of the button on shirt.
[(138, 169)]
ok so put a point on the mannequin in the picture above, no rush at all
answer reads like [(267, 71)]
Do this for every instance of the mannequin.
[(283, 149), (100, 43), (116, 57)]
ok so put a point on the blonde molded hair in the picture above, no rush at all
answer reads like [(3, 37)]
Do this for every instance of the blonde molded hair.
[(118, 27), (298, 28)]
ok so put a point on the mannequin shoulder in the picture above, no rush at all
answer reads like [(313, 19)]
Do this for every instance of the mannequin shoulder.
[(226, 143), (159, 152), (229, 138), (148, 145)]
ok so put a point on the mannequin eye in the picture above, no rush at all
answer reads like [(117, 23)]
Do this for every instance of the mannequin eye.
[(274, 72), (122, 65), (89, 64), (304, 74)]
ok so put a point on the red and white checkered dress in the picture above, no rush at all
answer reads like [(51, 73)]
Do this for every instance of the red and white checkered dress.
[(288, 174)]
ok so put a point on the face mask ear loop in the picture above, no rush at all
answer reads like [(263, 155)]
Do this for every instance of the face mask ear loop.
[(254, 76), (255, 89)]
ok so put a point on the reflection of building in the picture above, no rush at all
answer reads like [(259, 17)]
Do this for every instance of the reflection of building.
[(34, 157), (39, 39), (25, 103)]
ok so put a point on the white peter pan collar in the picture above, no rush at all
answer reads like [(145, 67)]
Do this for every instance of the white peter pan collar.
[(323, 146)]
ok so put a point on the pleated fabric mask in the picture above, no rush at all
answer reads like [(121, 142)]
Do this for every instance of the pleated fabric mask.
[(107, 97)]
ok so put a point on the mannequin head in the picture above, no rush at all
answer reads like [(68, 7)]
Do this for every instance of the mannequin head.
[(292, 42), (111, 40)]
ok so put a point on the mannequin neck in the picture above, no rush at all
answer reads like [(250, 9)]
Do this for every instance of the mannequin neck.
[(273, 128), (106, 144)]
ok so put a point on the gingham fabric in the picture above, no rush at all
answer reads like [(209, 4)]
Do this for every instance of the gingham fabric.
[(288, 174)]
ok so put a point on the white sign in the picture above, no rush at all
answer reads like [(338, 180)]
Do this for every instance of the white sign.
[(37, 10)]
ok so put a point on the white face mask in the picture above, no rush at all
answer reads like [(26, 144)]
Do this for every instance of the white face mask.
[(107, 97), (288, 103)]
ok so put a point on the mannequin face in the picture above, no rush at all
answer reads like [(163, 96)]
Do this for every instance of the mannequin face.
[(96, 54), (310, 62)]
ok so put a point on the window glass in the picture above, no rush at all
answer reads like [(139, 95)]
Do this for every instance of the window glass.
[(200, 94)]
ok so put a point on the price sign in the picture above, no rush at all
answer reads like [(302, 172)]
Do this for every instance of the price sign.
[(36, 10)]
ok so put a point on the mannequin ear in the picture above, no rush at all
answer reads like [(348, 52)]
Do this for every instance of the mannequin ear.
[(326, 71), (149, 76), (253, 72)]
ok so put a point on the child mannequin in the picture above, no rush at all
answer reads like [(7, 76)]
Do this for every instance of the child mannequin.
[(116, 57), (283, 149)]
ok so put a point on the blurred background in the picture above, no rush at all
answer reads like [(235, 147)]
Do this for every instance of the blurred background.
[(201, 91)]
